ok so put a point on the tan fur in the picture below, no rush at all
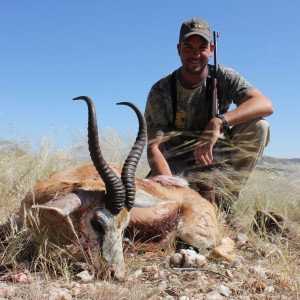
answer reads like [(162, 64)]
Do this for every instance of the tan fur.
[(181, 210), (59, 229), (196, 217)]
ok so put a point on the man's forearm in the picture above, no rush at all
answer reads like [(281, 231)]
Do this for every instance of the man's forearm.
[(255, 105), (156, 160), (157, 163)]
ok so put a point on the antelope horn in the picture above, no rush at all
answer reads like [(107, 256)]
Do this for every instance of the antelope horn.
[(129, 167), (115, 190)]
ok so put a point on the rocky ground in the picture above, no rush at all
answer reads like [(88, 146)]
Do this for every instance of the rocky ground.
[(254, 270)]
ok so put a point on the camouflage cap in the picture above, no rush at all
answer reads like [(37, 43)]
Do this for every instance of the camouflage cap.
[(195, 26)]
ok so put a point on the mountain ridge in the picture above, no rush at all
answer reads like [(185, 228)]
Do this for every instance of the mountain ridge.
[(278, 161)]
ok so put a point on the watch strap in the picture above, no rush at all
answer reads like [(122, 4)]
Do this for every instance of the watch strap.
[(222, 118)]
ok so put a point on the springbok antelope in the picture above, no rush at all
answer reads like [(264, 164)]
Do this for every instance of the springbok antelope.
[(93, 204)]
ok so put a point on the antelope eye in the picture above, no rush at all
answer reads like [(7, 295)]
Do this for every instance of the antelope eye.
[(97, 226)]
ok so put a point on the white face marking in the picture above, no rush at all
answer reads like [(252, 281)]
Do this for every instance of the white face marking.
[(105, 246)]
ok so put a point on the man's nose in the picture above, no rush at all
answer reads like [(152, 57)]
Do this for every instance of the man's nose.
[(196, 52)]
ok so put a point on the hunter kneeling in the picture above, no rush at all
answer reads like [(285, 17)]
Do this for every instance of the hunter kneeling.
[(191, 130)]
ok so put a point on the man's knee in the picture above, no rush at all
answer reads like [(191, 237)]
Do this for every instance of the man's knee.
[(257, 131), (262, 129), (250, 140)]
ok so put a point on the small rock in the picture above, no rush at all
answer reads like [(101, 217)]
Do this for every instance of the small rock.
[(184, 298), (188, 252), (169, 297), (200, 260), (224, 290), (214, 295), (84, 276), (192, 259), (270, 289), (222, 251), (176, 259)]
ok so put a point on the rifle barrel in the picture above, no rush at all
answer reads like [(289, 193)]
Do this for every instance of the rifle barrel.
[(216, 35), (215, 105)]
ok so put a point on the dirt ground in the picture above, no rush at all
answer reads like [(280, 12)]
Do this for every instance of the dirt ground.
[(259, 271)]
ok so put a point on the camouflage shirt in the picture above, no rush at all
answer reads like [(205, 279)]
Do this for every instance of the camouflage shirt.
[(192, 104)]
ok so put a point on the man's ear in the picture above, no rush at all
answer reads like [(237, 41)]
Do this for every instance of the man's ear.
[(178, 48)]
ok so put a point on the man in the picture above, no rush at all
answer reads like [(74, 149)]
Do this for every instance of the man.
[(183, 138)]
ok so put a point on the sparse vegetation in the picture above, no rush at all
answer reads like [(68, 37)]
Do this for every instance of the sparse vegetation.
[(50, 270)]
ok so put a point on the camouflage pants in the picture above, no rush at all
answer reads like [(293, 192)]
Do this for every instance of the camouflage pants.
[(235, 157)]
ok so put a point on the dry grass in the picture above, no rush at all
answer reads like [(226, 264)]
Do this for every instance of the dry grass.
[(52, 266)]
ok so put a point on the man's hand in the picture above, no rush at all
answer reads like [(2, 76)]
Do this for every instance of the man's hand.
[(203, 152)]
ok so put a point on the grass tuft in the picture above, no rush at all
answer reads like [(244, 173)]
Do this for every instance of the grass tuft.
[(268, 190)]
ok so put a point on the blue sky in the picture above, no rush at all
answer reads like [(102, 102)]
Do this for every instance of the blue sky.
[(112, 51)]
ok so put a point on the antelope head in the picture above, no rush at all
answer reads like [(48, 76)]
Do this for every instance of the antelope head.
[(99, 215), (110, 220)]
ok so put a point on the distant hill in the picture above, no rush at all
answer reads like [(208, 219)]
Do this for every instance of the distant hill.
[(269, 160), (287, 167)]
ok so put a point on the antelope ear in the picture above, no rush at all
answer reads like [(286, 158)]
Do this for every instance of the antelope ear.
[(63, 205)]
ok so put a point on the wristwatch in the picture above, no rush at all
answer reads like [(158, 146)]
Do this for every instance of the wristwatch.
[(222, 118)]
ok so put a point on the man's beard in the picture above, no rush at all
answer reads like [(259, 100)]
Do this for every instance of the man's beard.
[(195, 72)]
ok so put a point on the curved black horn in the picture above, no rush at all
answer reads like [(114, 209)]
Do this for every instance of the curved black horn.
[(115, 190), (129, 167)]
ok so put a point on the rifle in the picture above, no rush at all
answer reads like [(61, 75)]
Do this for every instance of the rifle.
[(208, 189), (215, 102)]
